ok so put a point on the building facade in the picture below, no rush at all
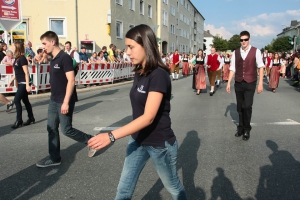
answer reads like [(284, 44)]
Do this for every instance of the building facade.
[(208, 37), (292, 31), (96, 23), (181, 26)]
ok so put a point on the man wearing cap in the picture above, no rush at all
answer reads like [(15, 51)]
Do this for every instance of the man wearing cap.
[(83, 56), (28, 49)]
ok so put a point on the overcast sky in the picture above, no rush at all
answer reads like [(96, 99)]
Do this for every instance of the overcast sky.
[(264, 19)]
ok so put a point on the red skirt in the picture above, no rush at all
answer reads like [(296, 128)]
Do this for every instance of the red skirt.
[(185, 68), (226, 72), (274, 77), (200, 80)]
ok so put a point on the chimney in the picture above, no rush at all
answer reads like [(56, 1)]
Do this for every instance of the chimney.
[(294, 23), (208, 32)]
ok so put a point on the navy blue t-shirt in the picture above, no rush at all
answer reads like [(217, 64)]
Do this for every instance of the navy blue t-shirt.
[(59, 66), (18, 67), (160, 130)]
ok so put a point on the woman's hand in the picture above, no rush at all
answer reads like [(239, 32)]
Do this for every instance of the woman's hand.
[(28, 88), (99, 141)]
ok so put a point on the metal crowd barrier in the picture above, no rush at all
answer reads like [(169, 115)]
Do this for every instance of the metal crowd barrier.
[(87, 74)]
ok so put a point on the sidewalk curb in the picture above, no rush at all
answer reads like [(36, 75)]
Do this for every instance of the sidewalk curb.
[(87, 89)]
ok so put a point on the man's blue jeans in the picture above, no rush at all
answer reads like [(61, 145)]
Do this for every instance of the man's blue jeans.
[(55, 118), (164, 160)]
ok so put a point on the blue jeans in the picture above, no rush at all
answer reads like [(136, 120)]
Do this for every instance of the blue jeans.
[(54, 119), (164, 160)]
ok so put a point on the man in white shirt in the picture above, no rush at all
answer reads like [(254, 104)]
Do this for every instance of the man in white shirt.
[(244, 64)]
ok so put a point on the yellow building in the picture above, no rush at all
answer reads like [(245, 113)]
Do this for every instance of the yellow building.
[(97, 23)]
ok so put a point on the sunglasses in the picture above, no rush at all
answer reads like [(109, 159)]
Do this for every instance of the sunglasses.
[(244, 40)]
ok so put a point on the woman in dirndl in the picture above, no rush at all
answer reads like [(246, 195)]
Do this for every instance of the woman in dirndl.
[(200, 80), (185, 65), (275, 68), (226, 68)]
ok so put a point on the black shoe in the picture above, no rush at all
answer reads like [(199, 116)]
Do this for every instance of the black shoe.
[(17, 124), (239, 133), (9, 106), (211, 93), (29, 121), (246, 135)]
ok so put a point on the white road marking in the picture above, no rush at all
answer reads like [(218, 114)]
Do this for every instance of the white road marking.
[(288, 122), (105, 128)]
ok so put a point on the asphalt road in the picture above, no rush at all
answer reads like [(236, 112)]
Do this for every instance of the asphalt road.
[(212, 163)]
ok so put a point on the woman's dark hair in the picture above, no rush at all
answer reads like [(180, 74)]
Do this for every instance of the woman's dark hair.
[(144, 36), (197, 56), (2, 45), (39, 51), (19, 49), (99, 53)]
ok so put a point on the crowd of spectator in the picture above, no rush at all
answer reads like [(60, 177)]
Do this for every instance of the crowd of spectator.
[(290, 60), (111, 55)]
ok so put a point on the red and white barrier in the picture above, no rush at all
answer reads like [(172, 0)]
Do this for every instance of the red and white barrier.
[(95, 73), (40, 77), (6, 74), (87, 74)]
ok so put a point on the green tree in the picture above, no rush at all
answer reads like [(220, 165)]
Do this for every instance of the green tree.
[(220, 44), (234, 42), (282, 44)]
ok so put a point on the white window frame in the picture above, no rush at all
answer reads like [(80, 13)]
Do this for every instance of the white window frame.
[(150, 11), (165, 17), (121, 29), (143, 8), (173, 10), (172, 29), (64, 19), (119, 2), (132, 5)]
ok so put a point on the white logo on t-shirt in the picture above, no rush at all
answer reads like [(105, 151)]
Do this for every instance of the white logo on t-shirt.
[(141, 89), (56, 66)]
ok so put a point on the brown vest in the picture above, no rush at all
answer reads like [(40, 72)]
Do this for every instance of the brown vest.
[(245, 69)]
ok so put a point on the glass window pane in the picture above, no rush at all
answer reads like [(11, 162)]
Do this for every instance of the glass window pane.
[(57, 26)]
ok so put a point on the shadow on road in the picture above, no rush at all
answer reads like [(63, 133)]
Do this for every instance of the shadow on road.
[(188, 162), (7, 129), (33, 181), (222, 187), (281, 179), (233, 113), (86, 106), (108, 92)]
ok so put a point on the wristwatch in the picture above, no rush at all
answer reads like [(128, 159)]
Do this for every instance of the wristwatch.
[(111, 136)]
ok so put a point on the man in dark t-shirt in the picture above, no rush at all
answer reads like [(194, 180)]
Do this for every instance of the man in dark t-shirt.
[(62, 101)]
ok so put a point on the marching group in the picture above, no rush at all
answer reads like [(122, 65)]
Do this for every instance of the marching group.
[(151, 134), (277, 65)]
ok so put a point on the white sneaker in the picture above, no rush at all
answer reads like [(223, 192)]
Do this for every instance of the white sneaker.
[(91, 152)]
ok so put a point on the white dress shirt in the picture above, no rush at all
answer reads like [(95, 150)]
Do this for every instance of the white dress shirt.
[(76, 55), (259, 61)]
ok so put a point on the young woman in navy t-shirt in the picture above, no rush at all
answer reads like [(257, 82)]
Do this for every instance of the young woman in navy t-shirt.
[(22, 76), (150, 130)]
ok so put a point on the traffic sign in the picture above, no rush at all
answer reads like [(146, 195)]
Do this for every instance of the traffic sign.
[(10, 14)]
